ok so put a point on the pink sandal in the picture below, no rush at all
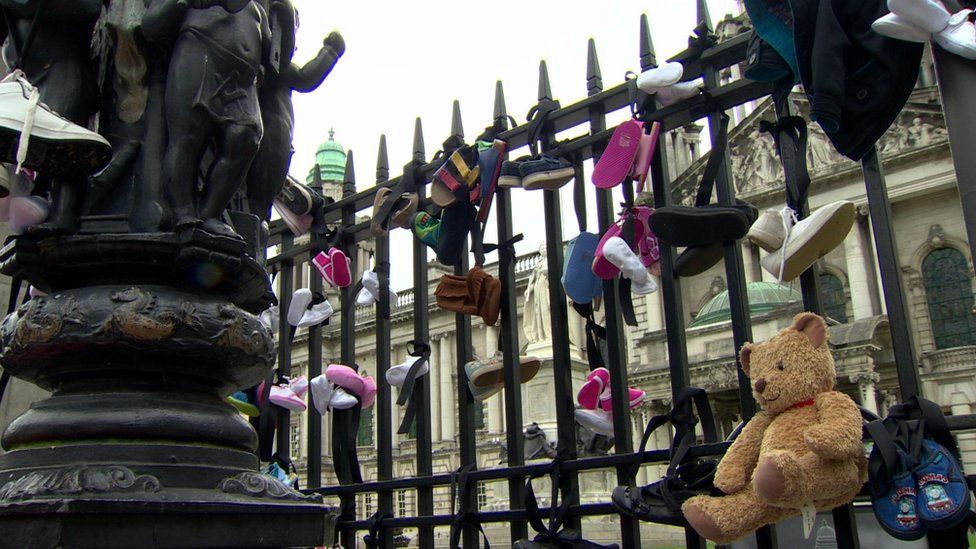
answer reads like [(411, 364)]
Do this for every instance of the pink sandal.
[(589, 394), (647, 245), (645, 152), (617, 160)]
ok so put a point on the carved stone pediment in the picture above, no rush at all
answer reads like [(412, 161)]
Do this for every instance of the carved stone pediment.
[(756, 169)]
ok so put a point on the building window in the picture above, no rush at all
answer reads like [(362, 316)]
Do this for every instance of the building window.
[(479, 415), (364, 506), (401, 503), (296, 439), (365, 437), (949, 293), (833, 298), (482, 495)]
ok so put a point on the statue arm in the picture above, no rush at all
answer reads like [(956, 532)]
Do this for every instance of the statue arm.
[(312, 74)]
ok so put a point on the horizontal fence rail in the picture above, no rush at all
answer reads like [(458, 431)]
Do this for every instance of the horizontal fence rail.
[(586, 117)]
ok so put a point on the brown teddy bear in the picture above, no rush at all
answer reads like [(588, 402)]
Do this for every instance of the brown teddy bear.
[(803, 448)]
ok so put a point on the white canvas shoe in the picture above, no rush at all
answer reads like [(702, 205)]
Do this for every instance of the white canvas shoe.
[(895, 26), (397, 375), (300, 302), (662, 76), (316, 314), (598, 421), (46, 142), (269, 318), (679, 92), (770, 229), (930, 15), (810, 239), (959, 37)]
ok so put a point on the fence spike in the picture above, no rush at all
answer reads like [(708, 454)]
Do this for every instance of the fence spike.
[(418, 141), (594, 78), (648, 59), (500, 110), (349, 178), (545, 91), (382, 161), (703, 15), (457, 129)]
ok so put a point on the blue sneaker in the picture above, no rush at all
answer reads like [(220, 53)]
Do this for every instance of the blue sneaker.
[(545, 172), (943, 496), (896, 510), (490, 164)]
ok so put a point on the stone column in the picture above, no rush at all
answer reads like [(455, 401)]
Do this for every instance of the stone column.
[(495, 414), (446, 366), (435, 388), (491, 341), (965, 441), (857, 274), (655, 312), (865, 384), (750, 260), (882, 306)]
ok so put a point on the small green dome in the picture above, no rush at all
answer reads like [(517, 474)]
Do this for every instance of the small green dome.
[(331, 161), (763, 298)]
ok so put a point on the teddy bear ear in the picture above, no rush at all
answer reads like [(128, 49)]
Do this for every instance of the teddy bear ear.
[(744, 355), (811, 326)]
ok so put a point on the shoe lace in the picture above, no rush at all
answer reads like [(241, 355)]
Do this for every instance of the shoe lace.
[(32, 101), (788, 218)]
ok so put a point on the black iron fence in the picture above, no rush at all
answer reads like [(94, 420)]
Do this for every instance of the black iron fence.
[(589, 118)]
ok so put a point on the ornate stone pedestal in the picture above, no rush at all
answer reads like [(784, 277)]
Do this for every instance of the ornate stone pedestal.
[(138, 341)]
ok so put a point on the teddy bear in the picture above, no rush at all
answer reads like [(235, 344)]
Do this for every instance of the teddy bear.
[(804, 447)]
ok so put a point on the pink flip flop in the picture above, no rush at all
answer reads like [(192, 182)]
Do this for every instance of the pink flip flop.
[(617, 160), (346, 377), (636, 396), (645, 152), (589, 394)]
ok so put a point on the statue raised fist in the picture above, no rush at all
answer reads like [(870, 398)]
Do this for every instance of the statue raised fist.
[(335, 41)]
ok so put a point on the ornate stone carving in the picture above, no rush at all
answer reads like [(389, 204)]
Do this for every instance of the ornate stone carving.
[(865, 378), (75, 481), (937, 236), (262, 486), (138, 317)]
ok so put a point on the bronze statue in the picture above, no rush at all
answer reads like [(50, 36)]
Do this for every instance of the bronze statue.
[(270, 168), (211, 99)]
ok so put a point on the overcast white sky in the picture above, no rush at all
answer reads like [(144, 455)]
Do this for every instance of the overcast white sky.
[(410, 59)]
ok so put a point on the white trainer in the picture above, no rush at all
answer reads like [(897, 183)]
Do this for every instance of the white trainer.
[(662, 76), (959, 37), (769, 231), (930, 15), (810, 239), (679, 92), (43, 140), (895, 26)]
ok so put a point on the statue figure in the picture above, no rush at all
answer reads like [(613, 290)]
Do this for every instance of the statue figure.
[(535, 317), (821, 151), (55, 60), (270, 168), (211, 98)]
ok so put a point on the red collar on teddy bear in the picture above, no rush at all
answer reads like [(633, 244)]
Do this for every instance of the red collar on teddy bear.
[(808, 402)]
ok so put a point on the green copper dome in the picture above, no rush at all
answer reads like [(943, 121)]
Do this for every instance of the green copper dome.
[(331, 161), (763, 298)]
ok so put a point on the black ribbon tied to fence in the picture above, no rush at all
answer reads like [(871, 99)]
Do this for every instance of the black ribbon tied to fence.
[(421, 351)]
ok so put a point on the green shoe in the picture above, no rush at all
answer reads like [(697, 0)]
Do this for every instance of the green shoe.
[(240, 401), (427, 228)]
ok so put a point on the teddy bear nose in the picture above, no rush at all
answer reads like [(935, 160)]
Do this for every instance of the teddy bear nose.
[(760, 385)]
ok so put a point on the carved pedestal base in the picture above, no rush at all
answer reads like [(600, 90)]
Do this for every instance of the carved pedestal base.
[(139, 340)]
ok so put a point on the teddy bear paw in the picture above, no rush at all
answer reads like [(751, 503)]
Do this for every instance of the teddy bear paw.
[(776, 478), (701, 521)]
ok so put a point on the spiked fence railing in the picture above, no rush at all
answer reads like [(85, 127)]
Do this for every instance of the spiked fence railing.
[(589, 114)]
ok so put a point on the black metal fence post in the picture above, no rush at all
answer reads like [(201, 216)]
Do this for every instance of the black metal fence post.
[(561, 360), (616, 337), (384, 404), (347, 344), (421, 388), (509, 338)]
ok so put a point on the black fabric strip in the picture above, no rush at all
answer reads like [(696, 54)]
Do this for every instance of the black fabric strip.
[(715, 158), (579, 193)]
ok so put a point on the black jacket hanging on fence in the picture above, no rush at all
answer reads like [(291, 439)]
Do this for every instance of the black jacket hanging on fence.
[(857, 81)]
